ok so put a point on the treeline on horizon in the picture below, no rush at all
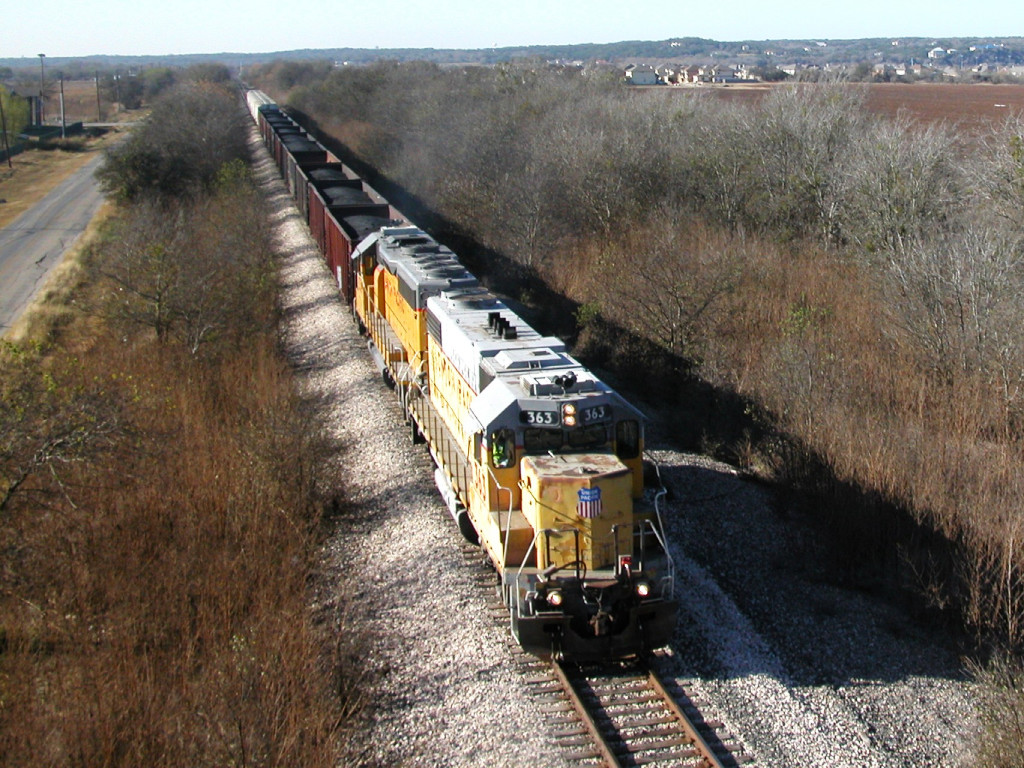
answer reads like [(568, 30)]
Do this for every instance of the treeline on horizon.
[(1010, 50), (853, 279)]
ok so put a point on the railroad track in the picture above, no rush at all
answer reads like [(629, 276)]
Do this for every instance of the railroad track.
[(614, 715), (624, 715)]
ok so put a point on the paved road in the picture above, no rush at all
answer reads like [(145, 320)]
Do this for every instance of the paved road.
[(36, 241)]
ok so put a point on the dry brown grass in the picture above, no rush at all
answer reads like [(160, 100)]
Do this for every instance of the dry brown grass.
[(156, 556), (974, 106)]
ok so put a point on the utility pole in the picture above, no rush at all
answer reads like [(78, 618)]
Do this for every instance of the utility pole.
[(42, 80), (3, 126), (99, 111), (62, 133)]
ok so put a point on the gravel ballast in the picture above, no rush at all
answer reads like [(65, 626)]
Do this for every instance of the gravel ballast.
[(802, 672)]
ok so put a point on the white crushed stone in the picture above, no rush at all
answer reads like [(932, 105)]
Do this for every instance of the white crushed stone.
[(803, 673), (444, 689)]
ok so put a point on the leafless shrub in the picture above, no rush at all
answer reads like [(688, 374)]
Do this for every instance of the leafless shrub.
[(1001, 688), (190, 273), (956, 301), (160, 510)]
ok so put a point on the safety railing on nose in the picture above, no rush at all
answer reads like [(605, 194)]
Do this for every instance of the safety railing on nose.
[(639, 533), (520, 596), (508, 515)]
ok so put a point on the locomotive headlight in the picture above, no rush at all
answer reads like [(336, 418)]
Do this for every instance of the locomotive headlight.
[(569, 415), (554, 598), (643, 588)]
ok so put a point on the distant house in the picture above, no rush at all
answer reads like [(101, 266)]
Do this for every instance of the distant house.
[(727, 75), (641, 74), (691, 74), (937, 53), (669, 73)]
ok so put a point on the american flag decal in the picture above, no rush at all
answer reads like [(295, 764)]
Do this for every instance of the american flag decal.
[(589, 505)]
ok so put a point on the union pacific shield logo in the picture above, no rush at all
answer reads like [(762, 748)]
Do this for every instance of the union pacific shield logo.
[(589, 505)]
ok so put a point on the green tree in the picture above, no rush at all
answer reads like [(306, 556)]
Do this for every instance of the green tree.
[(125, 89), (191, 133), (863, 72), (16, 115), (155, 81)]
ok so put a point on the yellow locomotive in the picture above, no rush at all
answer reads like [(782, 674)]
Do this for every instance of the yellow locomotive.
[(537, 459)]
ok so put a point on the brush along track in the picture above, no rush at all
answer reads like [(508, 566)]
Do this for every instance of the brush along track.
[(623, 715)]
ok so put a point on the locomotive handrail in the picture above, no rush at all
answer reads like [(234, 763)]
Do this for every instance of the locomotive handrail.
[(662, 492), (515, 585), (508, 520), (414, 383), (576, 543), (500, 487), (659, 531)]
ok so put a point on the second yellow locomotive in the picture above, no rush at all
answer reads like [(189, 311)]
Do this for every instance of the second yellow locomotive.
[(537, 459)]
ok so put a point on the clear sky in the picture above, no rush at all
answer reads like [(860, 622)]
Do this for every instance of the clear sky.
[(140, 27)]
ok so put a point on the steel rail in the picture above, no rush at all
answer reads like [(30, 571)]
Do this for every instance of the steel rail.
[(626, 751), (610, 758), (708, 757)]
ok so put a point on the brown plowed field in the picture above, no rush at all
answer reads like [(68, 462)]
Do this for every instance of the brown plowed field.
[(973, 106)]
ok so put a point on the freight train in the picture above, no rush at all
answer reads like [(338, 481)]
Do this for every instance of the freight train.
[(537, 459)]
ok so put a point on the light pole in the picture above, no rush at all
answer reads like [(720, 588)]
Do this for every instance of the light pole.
[(42, 80)]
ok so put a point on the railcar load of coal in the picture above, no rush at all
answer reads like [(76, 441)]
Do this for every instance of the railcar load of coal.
[(537, 459)]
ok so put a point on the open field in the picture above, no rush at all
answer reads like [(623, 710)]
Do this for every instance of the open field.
[(80, 103), (975, 105), (972, 106)]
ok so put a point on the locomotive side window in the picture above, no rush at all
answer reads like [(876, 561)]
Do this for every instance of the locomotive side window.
[(627, 439), (503, 448)]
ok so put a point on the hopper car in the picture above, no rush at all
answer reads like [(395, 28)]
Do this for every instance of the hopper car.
[(537, 459)]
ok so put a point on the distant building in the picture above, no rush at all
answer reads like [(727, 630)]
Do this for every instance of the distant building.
[(669, 73), (641, 74)]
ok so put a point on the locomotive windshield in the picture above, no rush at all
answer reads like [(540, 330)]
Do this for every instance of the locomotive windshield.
[(537, 440)]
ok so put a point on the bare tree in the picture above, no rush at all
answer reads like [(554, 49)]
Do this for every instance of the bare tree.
[(49, 423), (901, 184), (956, 300)]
